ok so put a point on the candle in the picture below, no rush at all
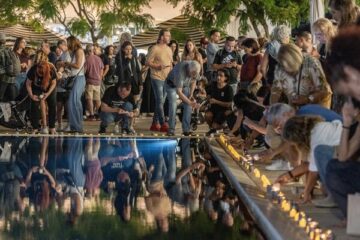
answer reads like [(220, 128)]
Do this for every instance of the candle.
[(256, 157), (302, 223), (317, 234), (257, 173)]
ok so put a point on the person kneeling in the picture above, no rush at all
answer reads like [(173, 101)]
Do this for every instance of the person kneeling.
[(118, 105)]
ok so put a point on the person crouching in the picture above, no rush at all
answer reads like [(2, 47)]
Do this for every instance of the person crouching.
[(40, 85), (118, 106)]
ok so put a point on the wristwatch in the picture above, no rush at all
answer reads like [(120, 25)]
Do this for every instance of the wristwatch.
[(311, 98)]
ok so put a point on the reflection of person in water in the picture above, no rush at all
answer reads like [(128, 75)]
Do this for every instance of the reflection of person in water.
[(40, 183), (157, 201), (10, 182), (123, 167), (93, 171)]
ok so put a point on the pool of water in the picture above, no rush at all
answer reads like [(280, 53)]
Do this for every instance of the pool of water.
[(107, 188)]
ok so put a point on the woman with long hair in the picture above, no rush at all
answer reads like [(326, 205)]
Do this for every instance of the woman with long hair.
[(25, 61), (344, 12), (191, 53), (109, 68), (174, 45), (40, 85), (76, 66), (307, 133), (324, 31)]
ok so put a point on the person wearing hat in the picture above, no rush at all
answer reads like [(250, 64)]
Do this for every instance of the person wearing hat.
[(204, 41), (220, 98)]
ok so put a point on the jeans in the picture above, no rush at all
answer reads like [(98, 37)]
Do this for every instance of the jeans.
[(323, 154), (75, 107), (160, 95), (187, 110), (108, 117), (35, 110), (20, 80), (171, 96), (343, 178)]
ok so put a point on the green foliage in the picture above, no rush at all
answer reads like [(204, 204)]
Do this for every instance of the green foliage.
[(79, 27), (178, 35), (218, 13)]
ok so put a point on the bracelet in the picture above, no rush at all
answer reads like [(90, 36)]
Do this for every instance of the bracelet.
[(291, 175), (346, 127)]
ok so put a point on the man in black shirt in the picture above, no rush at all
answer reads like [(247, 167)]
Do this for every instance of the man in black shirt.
[(117, 105), (221, 97), (228, 58)]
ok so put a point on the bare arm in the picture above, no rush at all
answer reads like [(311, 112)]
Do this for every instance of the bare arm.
[(79, 54), (264, 64), (348, 147)]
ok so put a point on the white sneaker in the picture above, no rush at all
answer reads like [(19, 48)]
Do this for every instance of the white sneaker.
[(44, 130), (279, 165), (116, 128)]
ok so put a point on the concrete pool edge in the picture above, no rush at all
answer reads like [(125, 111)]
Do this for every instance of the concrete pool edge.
[(271, 221)]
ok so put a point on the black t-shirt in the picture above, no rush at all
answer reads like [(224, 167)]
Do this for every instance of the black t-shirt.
[(37, 80), (224, 94), (222, 57), (112, 98)]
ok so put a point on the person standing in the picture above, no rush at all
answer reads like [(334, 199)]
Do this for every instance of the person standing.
[(204, 41), (211, 50), (94, 73), (25, 63), (10, 68), (160, 63), (75, 108), (229, 59)]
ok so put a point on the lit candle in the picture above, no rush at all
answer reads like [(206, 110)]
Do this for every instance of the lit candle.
[(317, 234), (257, 173), (256, 157)]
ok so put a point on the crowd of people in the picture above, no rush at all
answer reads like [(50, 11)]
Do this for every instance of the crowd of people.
[(299, 100)]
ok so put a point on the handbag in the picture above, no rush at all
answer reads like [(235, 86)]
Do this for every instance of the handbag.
[(68, 82)]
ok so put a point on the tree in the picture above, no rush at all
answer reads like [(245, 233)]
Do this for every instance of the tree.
[(96, 17), (218, 13)]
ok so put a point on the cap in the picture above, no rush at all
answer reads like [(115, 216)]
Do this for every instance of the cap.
[(2, 37)]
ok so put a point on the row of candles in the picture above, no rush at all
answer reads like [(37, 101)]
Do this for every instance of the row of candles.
[(96, 134), (277, 197)]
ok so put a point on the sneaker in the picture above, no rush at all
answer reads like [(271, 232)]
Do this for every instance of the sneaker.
[(67, 128), (102, 129), (187, 134), (44, 130), (116, 128), (164, 128), (128, 131), (155, 127), (170, 134), (211, 131), (327, 202), (279, 165)]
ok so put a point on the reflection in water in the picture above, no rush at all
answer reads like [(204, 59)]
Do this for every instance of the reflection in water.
[(70, 178)]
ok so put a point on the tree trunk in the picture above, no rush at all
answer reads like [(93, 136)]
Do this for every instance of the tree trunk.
[(255, 27), (265, 26)]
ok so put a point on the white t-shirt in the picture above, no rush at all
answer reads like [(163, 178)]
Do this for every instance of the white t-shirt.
[(324, 133)]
